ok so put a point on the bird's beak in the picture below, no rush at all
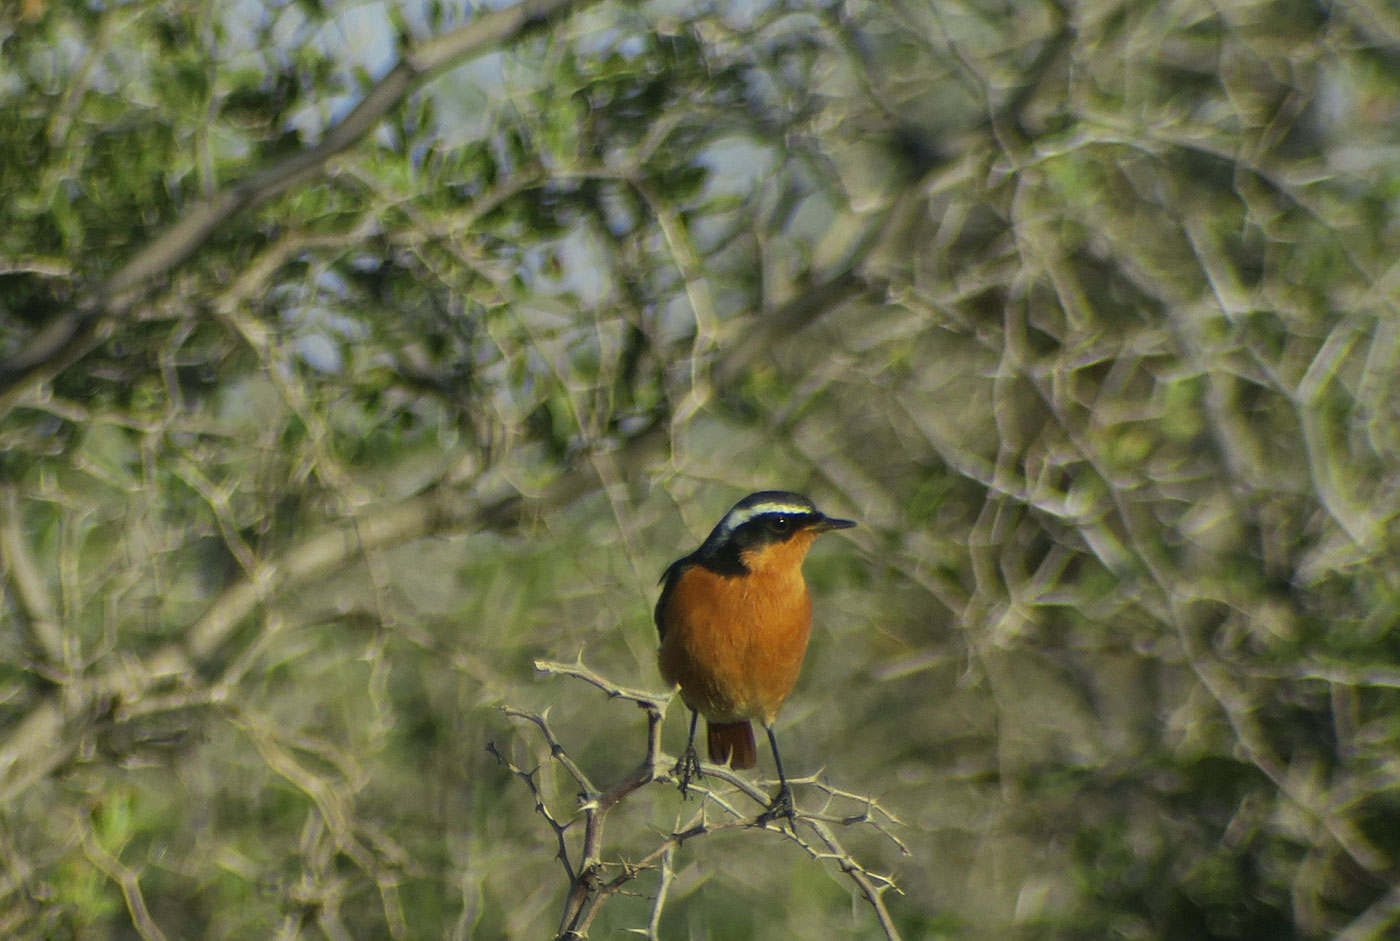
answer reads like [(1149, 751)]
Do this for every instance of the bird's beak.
[(827, 523)]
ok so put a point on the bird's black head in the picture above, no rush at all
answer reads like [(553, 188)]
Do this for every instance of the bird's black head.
[(761, 519)]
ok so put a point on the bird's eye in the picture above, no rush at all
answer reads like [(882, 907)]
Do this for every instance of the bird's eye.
[(780, 524)]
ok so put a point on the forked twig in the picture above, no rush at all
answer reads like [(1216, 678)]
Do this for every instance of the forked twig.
[(585, 868)]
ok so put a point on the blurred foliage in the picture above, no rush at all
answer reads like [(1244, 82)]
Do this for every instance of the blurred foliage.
[(1114, 403)]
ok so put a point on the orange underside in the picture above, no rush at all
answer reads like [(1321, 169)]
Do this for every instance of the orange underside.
[(734, 645)]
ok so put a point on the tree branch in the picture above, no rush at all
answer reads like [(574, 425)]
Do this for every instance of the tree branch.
[(38, 616), (588, 891), (73, 335)]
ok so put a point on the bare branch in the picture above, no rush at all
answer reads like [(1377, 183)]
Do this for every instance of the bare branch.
[(38, 615), (127, 879), (588, 891), (1376, 921)]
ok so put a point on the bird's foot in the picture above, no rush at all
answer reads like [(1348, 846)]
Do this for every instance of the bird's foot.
[(780, 807), (687, 769)]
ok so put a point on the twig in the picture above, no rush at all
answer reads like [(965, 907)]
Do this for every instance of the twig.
[(1376, 921), (39, 617), (588, 890), (663, 887), (129, 882)]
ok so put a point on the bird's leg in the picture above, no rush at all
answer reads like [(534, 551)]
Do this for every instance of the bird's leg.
[(688, 766), (782, 802)]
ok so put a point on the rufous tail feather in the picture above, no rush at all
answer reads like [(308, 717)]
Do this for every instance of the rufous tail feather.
[(732, 743)]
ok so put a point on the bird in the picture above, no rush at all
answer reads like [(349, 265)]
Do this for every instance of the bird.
[(734, 617)]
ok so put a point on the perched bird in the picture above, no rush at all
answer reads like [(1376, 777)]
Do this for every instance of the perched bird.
[(734, 618)]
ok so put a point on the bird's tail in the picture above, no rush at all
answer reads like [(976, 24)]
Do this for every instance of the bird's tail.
[(732, 743)]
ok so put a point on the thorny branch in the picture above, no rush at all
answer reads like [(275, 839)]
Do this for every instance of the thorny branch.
[(583, 864)]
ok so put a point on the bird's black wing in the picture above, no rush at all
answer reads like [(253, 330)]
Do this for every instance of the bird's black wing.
[(669, 578)]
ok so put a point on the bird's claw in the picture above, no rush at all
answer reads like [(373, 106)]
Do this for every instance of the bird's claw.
[(780, 807), (687, 769)]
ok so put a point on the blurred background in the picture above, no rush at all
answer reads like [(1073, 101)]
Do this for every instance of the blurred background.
[(1086, 311)]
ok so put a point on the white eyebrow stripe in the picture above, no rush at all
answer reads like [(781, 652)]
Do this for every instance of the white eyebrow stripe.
[(737, 518)]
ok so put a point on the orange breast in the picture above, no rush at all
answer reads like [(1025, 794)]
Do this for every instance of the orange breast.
[(735, 645)]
